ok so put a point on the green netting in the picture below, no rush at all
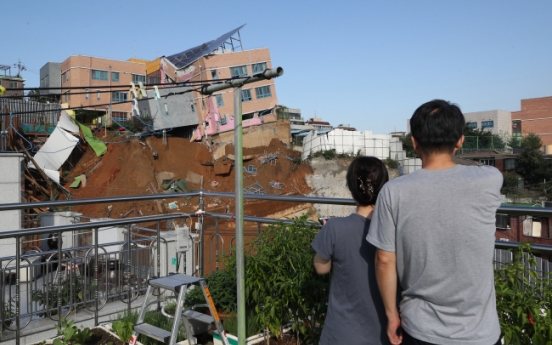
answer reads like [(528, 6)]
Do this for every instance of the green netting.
[(37, 128), (97, 145)]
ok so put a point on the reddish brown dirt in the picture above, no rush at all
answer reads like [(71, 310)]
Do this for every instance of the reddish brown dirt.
[(128, 168)]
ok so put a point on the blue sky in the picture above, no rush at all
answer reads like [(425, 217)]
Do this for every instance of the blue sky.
[(366, 63)]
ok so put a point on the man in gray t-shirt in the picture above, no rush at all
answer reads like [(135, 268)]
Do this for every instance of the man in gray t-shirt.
[(434, 229)]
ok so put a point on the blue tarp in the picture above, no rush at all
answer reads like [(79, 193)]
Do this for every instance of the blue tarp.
[(294, 131), (323, 132), (304, 134)]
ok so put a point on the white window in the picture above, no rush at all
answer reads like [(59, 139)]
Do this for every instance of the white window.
[(99, 95), (86, 94)]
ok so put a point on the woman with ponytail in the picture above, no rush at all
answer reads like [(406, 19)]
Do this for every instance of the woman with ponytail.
[(356, 314)]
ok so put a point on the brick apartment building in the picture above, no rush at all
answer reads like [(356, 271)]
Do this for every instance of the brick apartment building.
[(98, 73), (535, 117), (524, 229), (12, 82), (221, 58)]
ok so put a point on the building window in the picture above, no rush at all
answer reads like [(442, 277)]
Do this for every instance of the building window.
[(263, 91), (64, 77), (509, 164), (214, 74), (246, 95), (154, 80), (516, 128), (238, 71), (99, 95), (99, 75), (502, 221), (220, 100), (193, 107), (487, 124), (86, 94), (13, 84), (136, 78), (114, 76), (120, 96), (490, 162), (258, 67), (472, 125)]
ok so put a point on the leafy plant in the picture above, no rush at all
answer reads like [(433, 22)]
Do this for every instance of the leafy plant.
[(252, 325), (70, 334), (524, 300), (281, 285), (70, 291), (391, 163), (123, 329)]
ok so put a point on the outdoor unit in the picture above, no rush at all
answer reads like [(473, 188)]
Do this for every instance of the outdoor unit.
[(59, 218)]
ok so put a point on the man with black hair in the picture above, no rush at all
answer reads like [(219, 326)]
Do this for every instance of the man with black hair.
[(434, 230)]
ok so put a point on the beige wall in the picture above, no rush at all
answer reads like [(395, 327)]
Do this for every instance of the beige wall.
[(78, 71)]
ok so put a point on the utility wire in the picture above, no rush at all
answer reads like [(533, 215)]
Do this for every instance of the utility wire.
[(101, 105)]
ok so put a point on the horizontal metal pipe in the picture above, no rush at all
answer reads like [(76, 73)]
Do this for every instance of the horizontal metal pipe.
[(105, 200), (237, 82), (290, 198), (257, 219), (536, 248), (91, 225)]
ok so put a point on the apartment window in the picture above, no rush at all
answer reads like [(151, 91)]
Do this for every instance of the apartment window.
[(238, 71), (86, 94), (13, 84), (64, 77), (99, 95), (502, 221), (154, 80), (193, 107), (472, 125), (246, 95), (258, 67), (220, 100), (509, 164), (99, 75), (263, 91), (516, 128), (69, 95), (115, 76), (490, 162), (214, 74), (120, 96), (487, 124), (136, 78)]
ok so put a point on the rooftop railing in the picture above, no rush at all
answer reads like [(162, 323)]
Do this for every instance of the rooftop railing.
[(94, 280)]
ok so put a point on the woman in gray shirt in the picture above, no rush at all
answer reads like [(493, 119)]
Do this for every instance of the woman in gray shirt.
[(355, 310)]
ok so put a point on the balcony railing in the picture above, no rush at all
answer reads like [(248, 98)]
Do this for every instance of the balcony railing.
[(91, 281)]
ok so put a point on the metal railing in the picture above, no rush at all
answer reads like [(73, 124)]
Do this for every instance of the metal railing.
[(86, 279)]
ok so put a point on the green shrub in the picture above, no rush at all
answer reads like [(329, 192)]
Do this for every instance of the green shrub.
[(524, 300), (123, 329), (391, 163), (252, 325)]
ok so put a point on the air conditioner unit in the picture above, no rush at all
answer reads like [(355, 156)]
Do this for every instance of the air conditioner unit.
[(504, 239)]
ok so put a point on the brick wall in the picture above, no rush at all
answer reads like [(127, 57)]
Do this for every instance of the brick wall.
[(515, 233), (536, 117)]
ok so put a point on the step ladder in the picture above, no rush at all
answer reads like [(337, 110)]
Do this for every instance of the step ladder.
[(179, 284)]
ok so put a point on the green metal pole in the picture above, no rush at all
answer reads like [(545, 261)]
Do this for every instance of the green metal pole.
[(240, 247)]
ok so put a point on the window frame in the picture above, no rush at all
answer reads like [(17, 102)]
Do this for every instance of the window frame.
[(471, 124), (116, 99), (249, 98), (255, 70), (220, 100), (98, 74), (240, 69), (137, 78), (118, 79), (214, 74), (260, 93), (487, 124)]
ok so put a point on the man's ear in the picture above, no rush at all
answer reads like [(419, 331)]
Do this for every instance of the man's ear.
[(414, 144), (459, 144)]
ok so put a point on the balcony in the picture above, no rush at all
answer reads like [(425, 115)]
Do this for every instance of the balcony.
[(92, 281)]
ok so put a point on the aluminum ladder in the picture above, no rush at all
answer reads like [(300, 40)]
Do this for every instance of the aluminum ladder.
[(179, 284)]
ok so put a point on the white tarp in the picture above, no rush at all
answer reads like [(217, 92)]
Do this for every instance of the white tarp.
[(55, 152), (67, 123)]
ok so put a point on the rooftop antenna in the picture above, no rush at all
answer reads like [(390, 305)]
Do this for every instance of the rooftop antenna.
[(5, 68)]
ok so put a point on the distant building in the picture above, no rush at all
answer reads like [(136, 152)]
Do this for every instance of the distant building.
[(50, 78), (11, 82), (319, 124), (498, 122), (346, 127), (523, 228), (535, 117)]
